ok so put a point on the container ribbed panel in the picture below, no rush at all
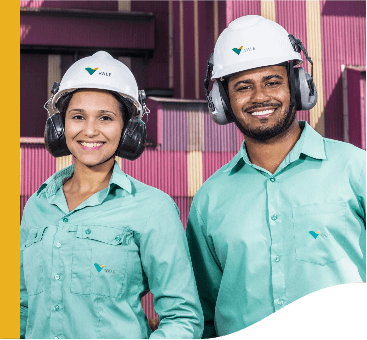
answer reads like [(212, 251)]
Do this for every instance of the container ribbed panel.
[(174, 126), (165, 170), (195, 126), (236, 9), (36, 166), (147, 304), (219, 137), (343, 27), (183, 205)]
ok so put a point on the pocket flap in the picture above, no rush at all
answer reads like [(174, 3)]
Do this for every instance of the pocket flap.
[(34, 236), (106, 234)]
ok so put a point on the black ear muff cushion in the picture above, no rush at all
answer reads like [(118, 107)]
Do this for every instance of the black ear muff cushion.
[(223, 91), (132, 143), (306, 94), (55, 142)]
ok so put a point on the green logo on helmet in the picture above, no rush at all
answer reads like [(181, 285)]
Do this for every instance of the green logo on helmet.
[(237, 50), (91, 70)]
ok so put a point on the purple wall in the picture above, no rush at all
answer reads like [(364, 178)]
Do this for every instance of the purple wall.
[(296, 27), (110, 5), (356, 118), (33, 94), (78, 30), (343, 31)]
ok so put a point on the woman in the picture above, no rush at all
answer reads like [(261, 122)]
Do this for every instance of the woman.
[(93, 239)]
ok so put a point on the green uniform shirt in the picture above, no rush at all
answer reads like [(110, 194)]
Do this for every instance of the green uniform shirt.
[(259, 241), (83, 272)]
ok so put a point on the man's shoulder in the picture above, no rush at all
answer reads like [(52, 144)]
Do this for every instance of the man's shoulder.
[(343, 150)]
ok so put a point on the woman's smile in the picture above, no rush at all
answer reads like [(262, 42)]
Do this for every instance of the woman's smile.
[(91, 145)]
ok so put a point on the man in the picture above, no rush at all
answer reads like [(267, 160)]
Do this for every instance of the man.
[(286, 216)]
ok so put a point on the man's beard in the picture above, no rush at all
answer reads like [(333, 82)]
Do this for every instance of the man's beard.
[(263, 134)]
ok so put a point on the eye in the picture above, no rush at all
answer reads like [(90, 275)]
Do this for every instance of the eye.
[(244, 88), (105, 118), (77, 117), (273, 83)]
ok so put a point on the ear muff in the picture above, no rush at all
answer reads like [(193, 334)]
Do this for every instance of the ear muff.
[(132, 142), (306, 93), (218, 107), (55, 136)]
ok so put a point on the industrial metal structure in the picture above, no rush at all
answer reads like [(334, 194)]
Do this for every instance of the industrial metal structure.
[(166, 45)]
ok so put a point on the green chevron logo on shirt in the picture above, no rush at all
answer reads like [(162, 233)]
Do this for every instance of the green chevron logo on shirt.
[(314, 234), (98, 267)]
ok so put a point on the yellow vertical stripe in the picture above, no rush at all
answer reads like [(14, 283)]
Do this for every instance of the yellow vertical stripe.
[(195, 171), (216, 25), (63, 162), (195, 125), (196, 42), (314, 50), (268, 9), (182, 51)]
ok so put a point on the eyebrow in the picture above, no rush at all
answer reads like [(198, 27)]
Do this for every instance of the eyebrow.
[(101, 111), (263, 79)]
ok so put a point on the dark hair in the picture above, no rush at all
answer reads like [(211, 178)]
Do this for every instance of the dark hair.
[(125, 106)]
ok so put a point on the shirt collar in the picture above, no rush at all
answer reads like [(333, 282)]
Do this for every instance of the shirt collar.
[(53, 184), (311, 144)]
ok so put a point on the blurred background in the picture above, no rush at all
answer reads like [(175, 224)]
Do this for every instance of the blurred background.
[(166, 45)]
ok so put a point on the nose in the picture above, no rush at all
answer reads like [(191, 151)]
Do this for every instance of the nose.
[(91, 128), (260, 95)]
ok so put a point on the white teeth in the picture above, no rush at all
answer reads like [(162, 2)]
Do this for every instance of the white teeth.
[(262, 113), (91, 145)]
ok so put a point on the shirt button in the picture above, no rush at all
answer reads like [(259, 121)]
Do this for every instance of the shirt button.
[(272, 179), (274, 217), (57, 308), (65, 219), (88, 231), (55, 337), (280, 302), (58, 245), (57, 277), (118, 238), (277, 258)]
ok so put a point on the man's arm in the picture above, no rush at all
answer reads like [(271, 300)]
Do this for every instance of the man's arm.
[(208, 273)]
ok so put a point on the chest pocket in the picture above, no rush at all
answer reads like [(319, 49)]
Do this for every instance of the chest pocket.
[(99, 260), (319, 232), (32, 261)]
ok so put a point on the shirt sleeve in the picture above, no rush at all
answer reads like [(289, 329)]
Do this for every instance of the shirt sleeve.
[(166, 262), (23, 290), (208, 273), (361, 191)]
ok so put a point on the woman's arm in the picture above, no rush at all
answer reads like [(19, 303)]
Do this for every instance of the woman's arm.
[(166, 262)]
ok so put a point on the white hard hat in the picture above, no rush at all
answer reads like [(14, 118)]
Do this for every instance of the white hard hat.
[(99, 71), (249, 42)]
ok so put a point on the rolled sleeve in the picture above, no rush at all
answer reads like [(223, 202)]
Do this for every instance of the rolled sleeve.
[(207, 272), (166, 262)]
